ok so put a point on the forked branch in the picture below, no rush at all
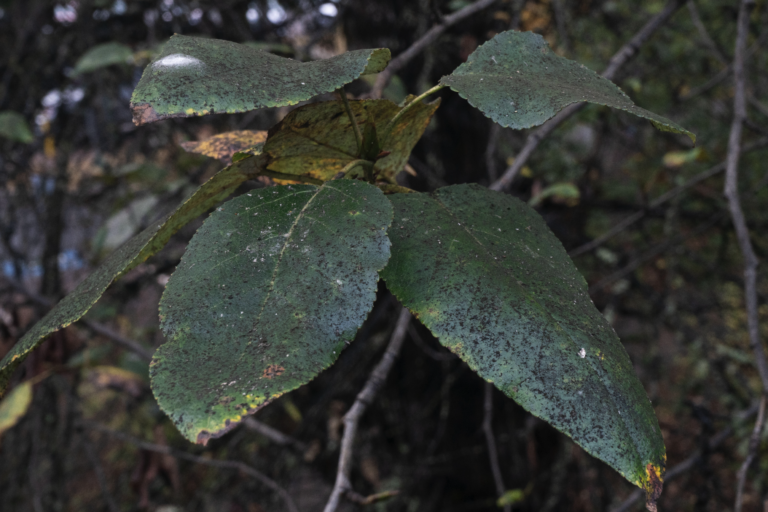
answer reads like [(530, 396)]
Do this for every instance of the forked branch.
[(363, 400)]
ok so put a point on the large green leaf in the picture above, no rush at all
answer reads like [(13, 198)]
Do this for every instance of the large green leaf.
[(72, 307), (484, 273), (516, 80), (268, 292), (317, 140), (194, 76)]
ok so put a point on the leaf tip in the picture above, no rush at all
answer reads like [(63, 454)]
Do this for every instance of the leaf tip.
[(144, 113), (377, 61), (653, 485)]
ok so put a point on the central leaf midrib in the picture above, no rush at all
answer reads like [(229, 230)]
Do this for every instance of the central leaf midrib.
[(490, 259)]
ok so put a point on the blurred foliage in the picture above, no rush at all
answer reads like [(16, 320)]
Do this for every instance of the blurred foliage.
[(671, 283)]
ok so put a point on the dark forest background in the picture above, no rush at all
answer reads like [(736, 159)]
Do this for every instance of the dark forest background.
[(80, 178)]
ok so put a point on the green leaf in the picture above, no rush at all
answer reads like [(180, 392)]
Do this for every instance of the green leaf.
[(103, 55), (564, 192), (15, 405), (268, 292), (317, 140), (224, 145), (484, 273), (193, 77), (72, 307), (13, 126), (516, 80)]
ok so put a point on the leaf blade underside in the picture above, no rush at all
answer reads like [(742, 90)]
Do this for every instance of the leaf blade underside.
[(72, 307), (516, 80), (317, 140), (268, 292), (483, 272), (195, 76)]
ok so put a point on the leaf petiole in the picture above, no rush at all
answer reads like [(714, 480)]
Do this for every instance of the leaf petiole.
[(393, 122), (366, 164), (355, 127)]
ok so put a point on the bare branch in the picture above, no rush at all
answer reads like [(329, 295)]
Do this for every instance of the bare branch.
[(754, 444), (419, 45), (617, 61), (490, 441), (731, 191), (363, 400), (227, 464)]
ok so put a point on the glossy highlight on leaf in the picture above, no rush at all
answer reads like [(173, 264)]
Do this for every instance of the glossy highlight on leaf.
[(195, 76), (516, 80), (270, 289), (484, 273), (224, 145), (72, 307), (317, 140)]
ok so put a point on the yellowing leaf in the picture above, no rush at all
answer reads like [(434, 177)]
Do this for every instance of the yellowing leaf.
[(224, 145), (15, 405)]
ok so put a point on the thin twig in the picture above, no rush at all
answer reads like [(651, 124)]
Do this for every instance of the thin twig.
[(653, 252), (272, 434), (689, 463), (617, 61), (99, 471), (490, 441), (227, 464), (363, 400), (419, 45), (704, 33), (663, 198), (731, 191), (754, 444), (127, 343)]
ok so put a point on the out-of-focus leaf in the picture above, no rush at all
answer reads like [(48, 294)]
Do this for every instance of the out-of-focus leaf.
[(111, 377), (13, 126), (269, 291), (194, 77), (484, 273), (675, 159), (516, 80), (567, 192), (103, 55), (224, 145), (15, 405), (72, 307), (317, 140)]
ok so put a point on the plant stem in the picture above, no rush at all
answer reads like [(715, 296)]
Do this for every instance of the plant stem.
[(355, 127), (393, 122), (366, 164)]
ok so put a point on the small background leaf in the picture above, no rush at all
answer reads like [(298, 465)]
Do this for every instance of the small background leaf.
[(317, 140), (516, 80), (13, 126), (103, 55), (72, 307), (224, 145), (484, 273), (194, 76), (268, 292), (15, 405), (567, 192)]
